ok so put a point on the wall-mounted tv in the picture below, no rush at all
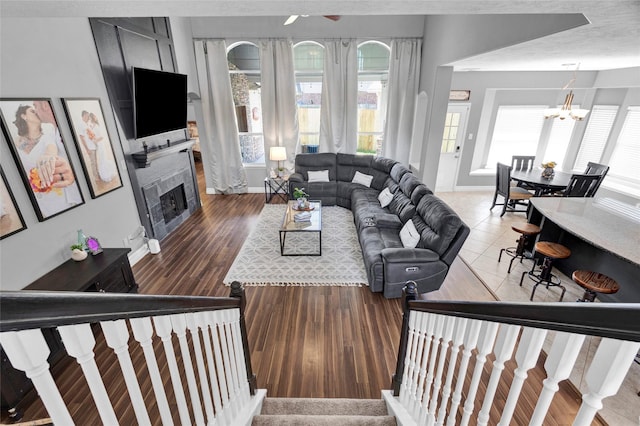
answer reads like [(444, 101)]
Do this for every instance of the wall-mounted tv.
[(159, 102)]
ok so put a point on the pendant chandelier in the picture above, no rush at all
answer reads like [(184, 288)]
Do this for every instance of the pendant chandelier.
[(567, 110)]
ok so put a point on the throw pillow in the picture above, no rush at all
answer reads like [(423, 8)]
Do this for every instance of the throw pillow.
[(318, 176), (362, 179), (409, 235), (385, 197)]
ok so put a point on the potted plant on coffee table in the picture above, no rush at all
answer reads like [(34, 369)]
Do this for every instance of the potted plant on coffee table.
[(301, 197)]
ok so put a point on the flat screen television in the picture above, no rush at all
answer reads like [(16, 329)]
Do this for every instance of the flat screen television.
[(159, 102)]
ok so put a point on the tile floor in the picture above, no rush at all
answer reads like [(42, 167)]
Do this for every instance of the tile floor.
[(489, 234)]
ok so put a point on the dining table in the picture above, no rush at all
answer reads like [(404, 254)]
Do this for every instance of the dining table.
[(533, 179)]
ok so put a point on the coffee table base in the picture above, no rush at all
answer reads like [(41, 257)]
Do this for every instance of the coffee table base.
[(283, 238)]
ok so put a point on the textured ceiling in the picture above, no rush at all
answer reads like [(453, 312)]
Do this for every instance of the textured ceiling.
[(610, 41)]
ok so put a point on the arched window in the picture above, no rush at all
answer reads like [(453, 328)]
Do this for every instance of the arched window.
[(244, 70), (308, 57), (373, 74)]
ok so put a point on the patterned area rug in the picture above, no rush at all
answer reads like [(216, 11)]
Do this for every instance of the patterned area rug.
[(259, 261)]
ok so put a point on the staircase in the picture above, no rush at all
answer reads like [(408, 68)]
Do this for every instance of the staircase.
[(327, 411)]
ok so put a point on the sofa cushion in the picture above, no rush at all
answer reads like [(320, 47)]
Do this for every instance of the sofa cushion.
[(362, 179), (349, 164), (409, 235), (318, 176), (401, 206), (385, 197), (398, 171), (321, 161), (436, 223)]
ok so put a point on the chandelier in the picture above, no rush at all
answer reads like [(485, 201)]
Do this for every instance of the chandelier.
[(566, 110)]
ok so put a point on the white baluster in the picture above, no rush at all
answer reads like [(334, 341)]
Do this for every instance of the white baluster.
[(207, 332), (163, 330), (437, 335), (559, 363), (142, 332), (28, 351), (487, 339), (503, 351), (193, 326), (179, 325), (79, 342), (470, 340), (239, 353), (421, 371), (228, 361), (460, 330), (607, 371), (218, 335), (449, 324), (116, 335), (409, 364), (527, 354)]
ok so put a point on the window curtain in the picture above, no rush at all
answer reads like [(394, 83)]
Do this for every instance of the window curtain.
[(278, 93), (219, 129), (404, 78), (338, 116)]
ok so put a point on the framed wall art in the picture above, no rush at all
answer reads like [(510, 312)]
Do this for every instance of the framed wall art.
[(11, 220), (94, 145), (32, 132)]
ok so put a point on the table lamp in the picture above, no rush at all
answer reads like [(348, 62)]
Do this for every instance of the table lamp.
[(278, 153)]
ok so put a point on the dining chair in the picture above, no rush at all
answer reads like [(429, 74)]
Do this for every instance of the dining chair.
[(596, 169), (582, 186), (512, 195), (523, 162)]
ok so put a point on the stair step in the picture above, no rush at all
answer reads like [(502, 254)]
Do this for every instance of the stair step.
[(322, 420), (325, 406)]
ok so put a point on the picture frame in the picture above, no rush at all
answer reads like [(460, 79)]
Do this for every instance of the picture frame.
[(11, 220), (32, 132), (93, 143), (459, 95)]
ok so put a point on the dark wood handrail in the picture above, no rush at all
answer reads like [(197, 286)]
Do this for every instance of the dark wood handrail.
[(613, 320)]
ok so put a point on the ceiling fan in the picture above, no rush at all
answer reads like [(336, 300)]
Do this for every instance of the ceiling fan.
[(291, 19)]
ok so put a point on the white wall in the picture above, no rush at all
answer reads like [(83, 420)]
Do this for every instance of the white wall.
[(55, 58)]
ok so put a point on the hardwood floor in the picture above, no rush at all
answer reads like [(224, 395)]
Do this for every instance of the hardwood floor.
[(305, 341)]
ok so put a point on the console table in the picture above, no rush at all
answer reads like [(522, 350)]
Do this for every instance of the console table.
[(106, 272)]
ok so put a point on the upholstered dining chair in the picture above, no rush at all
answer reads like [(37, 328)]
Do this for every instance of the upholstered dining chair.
[(512, 195), (582, 186), (596, 169), (522, 162)]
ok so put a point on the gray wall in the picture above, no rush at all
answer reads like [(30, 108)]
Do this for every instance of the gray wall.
[(57, 58)]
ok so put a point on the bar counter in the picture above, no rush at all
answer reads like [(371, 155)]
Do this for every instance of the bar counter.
[(603, 235)]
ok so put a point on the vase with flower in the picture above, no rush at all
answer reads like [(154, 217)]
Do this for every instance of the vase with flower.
[(301, 197), (548, 169)]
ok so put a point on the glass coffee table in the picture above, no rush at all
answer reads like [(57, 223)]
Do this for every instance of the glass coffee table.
[(313, 225)]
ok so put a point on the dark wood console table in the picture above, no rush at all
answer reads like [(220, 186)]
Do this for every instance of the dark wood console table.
[(106, 272)]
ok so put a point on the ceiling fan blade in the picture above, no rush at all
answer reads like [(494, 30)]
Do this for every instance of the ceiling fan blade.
[(291, 19), (333, 17)]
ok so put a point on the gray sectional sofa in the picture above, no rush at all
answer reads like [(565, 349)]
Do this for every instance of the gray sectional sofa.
[(388, 263)]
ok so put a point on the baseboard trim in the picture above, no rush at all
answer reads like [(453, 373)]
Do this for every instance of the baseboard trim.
[(136, 256), (250, 190)]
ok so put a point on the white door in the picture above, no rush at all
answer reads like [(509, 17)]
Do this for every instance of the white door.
[(455, 127)]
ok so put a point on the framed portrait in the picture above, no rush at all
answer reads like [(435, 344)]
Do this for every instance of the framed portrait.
[(31, 130), (11, 220), (94, 145)]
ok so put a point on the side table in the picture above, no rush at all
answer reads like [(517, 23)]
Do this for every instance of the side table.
[(278, 186)]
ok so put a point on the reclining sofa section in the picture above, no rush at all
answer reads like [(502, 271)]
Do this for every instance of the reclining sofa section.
[(389, 264)]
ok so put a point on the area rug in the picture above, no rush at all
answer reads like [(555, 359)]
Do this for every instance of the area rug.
[(259, 261)]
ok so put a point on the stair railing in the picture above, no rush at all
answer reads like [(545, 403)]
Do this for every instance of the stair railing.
[(446, 347), (220, 387)]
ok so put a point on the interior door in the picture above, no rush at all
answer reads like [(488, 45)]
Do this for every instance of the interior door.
[(455, 128)]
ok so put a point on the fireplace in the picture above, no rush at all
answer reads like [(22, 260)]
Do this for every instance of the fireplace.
[(173, 203)]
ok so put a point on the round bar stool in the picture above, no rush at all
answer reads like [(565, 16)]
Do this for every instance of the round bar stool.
[(550, 251), (526, 231), (592, 283)]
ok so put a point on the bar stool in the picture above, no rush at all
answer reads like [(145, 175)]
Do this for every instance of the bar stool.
[(550, 251), (592, 283), (526, 231)]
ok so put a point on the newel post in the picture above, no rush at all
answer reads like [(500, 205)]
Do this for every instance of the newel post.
[(237, 291), (409, 293)]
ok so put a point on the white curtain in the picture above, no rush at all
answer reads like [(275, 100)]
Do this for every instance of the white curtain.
[(279, 112), (339, 113), (219, 129), (404, 78)]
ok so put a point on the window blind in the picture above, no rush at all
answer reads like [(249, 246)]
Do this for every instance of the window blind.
[(625, 160), (516, 132), (596, 135), (559, 139)]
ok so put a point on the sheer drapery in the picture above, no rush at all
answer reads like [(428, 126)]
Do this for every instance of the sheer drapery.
[(278, 93), (404, 78), (339, 114), (219, 129)]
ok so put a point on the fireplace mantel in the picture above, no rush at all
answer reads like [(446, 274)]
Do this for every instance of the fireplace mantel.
[(144, 158)]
